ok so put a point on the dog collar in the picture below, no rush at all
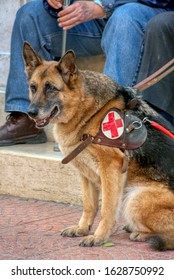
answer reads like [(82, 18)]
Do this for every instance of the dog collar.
[(118, 129)]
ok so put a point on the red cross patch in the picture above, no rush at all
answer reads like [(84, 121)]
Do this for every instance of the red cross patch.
[(112, 125)]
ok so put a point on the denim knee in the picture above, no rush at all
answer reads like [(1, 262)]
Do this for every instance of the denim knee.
[(126, 15), (127, 20)]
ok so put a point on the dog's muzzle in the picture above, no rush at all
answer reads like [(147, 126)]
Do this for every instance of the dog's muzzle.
[(33, 113)]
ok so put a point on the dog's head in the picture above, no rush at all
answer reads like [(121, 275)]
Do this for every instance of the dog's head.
[(52, 86)]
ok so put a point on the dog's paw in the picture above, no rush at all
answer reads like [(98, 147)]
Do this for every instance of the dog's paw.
[(74, 232), (127, 228), (139, 236), (91, 240)]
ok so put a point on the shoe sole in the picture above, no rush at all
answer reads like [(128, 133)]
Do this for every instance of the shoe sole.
[(39, 139)]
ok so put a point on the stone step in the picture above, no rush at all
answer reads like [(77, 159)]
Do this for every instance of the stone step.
[(36, 171), (2, 100)]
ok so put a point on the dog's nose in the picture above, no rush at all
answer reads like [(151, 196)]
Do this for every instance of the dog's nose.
[(32, 112)]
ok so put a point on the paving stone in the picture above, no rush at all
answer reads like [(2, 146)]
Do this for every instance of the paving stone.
[(30, 230)]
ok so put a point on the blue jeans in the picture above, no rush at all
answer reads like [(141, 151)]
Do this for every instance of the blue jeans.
[(122, 41), (120, 38)]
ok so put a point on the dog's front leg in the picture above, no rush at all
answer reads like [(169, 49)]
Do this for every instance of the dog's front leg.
[(90, 206), (111, 181)]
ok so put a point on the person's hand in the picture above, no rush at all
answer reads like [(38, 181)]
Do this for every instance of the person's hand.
[(56, 4), (78, 12)]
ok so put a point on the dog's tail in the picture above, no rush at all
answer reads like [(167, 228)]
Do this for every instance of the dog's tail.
[(162, 241)]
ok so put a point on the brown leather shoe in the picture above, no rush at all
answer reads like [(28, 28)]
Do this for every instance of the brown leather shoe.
[(20, 129)]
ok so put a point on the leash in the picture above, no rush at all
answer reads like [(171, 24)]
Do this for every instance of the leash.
[(150, 81), (159, 127), (162, 128), (156, 76)]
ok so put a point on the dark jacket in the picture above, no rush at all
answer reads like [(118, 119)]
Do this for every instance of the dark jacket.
[(110, 5)]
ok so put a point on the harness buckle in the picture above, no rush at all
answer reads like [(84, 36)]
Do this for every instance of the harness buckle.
[(133, 125)]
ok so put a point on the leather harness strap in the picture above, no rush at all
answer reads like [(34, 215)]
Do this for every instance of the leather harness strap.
[(78, 150)]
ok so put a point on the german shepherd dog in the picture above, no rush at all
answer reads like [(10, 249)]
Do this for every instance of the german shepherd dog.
[(78, 102)]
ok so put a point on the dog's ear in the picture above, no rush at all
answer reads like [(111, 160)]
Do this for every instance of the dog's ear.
[(31, 59), (67, 67)]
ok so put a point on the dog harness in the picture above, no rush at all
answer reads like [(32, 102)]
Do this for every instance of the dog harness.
[(118, 129), (122, 129)]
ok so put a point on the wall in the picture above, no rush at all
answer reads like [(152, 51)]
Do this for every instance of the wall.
[(8, 9)]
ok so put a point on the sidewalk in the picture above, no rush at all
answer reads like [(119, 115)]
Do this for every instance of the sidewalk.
[(30, 229)]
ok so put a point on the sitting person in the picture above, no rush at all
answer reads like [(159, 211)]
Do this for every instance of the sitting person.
[(158, 50), (115, 28)]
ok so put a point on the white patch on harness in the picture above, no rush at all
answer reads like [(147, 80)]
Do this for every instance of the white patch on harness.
[(112, 125)]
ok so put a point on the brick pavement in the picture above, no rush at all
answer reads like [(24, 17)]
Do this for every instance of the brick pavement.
[(30, 229)]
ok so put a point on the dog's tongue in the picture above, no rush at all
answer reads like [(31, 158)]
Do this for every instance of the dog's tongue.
[(42, 122)]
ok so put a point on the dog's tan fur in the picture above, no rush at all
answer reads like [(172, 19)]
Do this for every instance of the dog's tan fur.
[(82, 99)]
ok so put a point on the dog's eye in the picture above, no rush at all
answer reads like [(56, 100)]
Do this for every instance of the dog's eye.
[(49, 87), (33, 88)]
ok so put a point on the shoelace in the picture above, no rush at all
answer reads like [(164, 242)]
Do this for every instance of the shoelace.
[(11, 118)]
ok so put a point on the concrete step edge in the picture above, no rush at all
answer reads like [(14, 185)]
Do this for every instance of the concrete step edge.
[(36, 171), (2, 90)]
